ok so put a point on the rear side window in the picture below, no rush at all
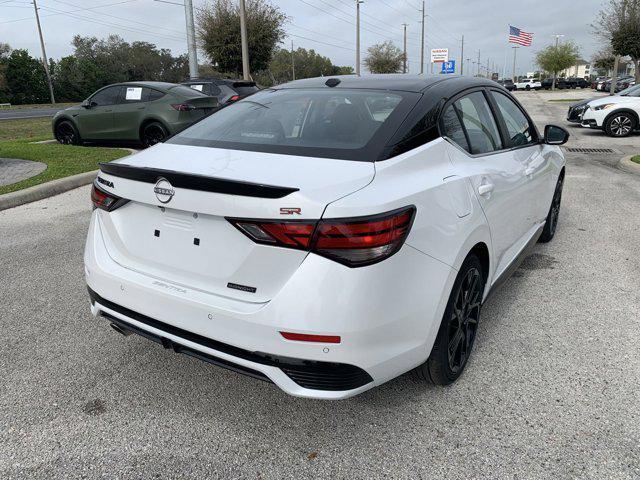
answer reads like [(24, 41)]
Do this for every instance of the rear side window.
[(479, 123), (107, 96), (518, 126), (452, 127), (149, 95)]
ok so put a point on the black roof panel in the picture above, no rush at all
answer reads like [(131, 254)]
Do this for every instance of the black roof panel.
[(395, 81)]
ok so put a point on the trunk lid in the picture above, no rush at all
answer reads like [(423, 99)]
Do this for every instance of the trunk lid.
[(188, 241)]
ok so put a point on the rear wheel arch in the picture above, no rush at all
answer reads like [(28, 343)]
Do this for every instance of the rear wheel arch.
[(481, 250), (148, 121)]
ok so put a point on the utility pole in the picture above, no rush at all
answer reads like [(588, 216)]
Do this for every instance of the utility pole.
[(468, 65), (293, 63), (358, 2), (478, 63), (553, 85), (45, 62), (404, 61), (515, 50), (191, 39), (422, 43), (243, 38), (462, 57)]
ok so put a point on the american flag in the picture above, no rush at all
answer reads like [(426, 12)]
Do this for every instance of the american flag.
[(518, 36)]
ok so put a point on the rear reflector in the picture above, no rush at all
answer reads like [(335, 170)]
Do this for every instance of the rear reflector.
[(353, 242), (303, 337), (105, 200)]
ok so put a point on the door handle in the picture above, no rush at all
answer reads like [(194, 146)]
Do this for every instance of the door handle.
[(485, 189), (530, 171)]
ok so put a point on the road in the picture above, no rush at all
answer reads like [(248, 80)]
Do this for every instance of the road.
[(551, 391), (15, 113)]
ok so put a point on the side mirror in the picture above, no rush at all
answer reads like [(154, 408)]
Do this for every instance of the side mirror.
[(555, 135), (87, 104)]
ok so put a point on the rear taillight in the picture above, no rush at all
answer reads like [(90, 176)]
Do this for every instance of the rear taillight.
[(234, 98), (182, 107), (353, 242), (105, 200)]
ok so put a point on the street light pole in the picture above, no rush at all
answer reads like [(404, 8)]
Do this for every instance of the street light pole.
[(462, 57), (422, 43), (553, 85), (245, 45), (404, 58), (191, 39), (358, 2), (45, 62), (515, 50)]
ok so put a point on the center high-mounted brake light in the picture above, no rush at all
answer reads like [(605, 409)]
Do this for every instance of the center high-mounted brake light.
[(105, 200), (354, 242), (182, 107)]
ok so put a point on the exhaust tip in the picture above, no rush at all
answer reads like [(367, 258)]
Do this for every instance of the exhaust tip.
[(120, 330)]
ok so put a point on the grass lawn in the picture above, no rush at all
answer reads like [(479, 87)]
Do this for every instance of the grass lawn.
[(62, 160), (40, 105), (635, 158)]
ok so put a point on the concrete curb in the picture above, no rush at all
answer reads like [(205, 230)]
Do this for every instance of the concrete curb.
[(628, 166), (44, 190)]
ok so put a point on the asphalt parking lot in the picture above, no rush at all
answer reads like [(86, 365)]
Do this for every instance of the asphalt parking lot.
[(551, 391)]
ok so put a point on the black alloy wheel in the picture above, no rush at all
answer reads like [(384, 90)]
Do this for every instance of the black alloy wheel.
[(457, 333), (153, 133), (66, 133), (620, 125), (551, 224)]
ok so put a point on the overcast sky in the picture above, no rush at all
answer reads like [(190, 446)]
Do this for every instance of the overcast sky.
[(326, 25)]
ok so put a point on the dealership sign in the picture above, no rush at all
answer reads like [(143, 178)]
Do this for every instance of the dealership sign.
[(439, 55)]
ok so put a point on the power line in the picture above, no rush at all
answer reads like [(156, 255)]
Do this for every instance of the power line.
[(83, 9)]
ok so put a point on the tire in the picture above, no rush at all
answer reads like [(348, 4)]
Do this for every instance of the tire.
[(152, 133), (465, 300), (527, 88), (620, 124), (66, 133), (550, 225)]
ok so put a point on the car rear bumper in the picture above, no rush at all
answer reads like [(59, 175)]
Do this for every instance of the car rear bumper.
[(387, 316)]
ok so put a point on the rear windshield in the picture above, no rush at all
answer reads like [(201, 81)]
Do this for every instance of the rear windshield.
[(185, 91), (331, 123), (245, 89)]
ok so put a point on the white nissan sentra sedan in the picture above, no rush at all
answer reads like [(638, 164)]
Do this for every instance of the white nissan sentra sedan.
[(326, 235)]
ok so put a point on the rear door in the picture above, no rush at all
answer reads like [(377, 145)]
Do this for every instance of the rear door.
[(497, 175), (96, 122), (130, 111)]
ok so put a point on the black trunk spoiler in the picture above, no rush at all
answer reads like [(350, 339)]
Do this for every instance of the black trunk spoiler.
[(193, 181)]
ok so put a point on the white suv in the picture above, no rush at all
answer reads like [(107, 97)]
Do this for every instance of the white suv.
[(326, 235), (528, 84), (617, 116)]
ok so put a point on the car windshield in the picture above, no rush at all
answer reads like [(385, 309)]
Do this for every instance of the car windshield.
[(332, 123), (633, 91)]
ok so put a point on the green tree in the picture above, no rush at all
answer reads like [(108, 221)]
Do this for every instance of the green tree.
[(219, 34), (308, 64), (336, 70), (556, 58), (5, 51), (384, 58), (26, 79), (619, 24)]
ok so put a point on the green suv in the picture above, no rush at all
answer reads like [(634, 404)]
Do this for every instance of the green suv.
[(144, 112)]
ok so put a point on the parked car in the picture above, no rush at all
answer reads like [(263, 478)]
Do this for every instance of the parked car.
[(606, 86), (580, 82), (617, 115), (601, 83), (624, 84), (225, 90), (328, 234), (144, 112), (561, 84), (528, 84), (576, 110), (507, 83)]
